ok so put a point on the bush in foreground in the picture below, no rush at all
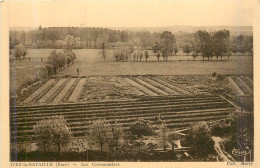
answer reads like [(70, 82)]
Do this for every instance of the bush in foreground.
[(52, 131)]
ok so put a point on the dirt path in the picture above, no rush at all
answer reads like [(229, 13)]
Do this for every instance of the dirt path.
[(142, 88), (76, 92), (220, 149), (52, 90), (38, 91), (64, 91)]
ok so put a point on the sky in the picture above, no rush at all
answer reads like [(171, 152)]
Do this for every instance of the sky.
[(129, 13)]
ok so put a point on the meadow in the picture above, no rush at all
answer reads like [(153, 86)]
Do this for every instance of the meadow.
[(91, 63)]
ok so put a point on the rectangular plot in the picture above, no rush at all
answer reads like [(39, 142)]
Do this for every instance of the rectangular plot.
[(77, 90), (38, 91), (50, 92), (171, 85), (151, 86), (167, 89), (61, 95), (147, 91)]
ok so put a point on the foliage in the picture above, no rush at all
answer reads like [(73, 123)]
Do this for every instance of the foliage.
[(221, 77), (57, 60), (103, 47), (214, 74), (163, 136), (199, 139), (194, 55), (186, 49), (99, 131), (20, 51), (141, 128), (167, 43), (52, 131), (205, 43), (158, 55), (146, 55), (116, 135), (122, 54), (156, 48), (172, 137), (229, 54), (221, 42)]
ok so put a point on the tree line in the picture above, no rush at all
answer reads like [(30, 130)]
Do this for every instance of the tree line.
[(53, 37)]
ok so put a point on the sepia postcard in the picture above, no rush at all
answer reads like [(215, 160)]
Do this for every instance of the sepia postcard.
[(127, 83)]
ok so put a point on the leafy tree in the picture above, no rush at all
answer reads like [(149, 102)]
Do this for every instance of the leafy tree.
[(116, 135), (140, 55), (99, 131), (158, 55), (229, 54), (156, 48), (70, 54), (175, 51), (20, 51), (57, 60), (117, 55), (186, 49), (199, 138), (167, 43), (221, 42), (171, 138), (163, 136), (141, 128), (103, 51), (146, 55), (52, 131), (205, 42), (194, 55)]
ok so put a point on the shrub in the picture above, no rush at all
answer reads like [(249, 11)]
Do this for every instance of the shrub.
[(99, 131), (214, 74), (221, 77), (50, 69), (52, 131), (20, 51), (40, 74), (199, 139), (28, 80), (141, 128)]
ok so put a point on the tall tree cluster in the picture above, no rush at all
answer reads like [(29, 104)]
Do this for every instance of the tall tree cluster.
[(85, 37)]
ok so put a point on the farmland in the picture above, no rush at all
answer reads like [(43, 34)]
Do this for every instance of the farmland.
[(180, 92), (177, 111)]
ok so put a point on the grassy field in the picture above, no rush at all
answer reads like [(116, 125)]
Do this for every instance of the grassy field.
[(91, 63)]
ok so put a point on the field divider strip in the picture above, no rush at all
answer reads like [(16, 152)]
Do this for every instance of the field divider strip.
[(244, 86), (38, 97), (70, 91), (55, 94), (157, 85), (237, 88), (151, 86), (177, 88), (143, 87)]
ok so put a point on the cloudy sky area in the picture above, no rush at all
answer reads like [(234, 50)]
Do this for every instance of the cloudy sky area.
[(130, 13)]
